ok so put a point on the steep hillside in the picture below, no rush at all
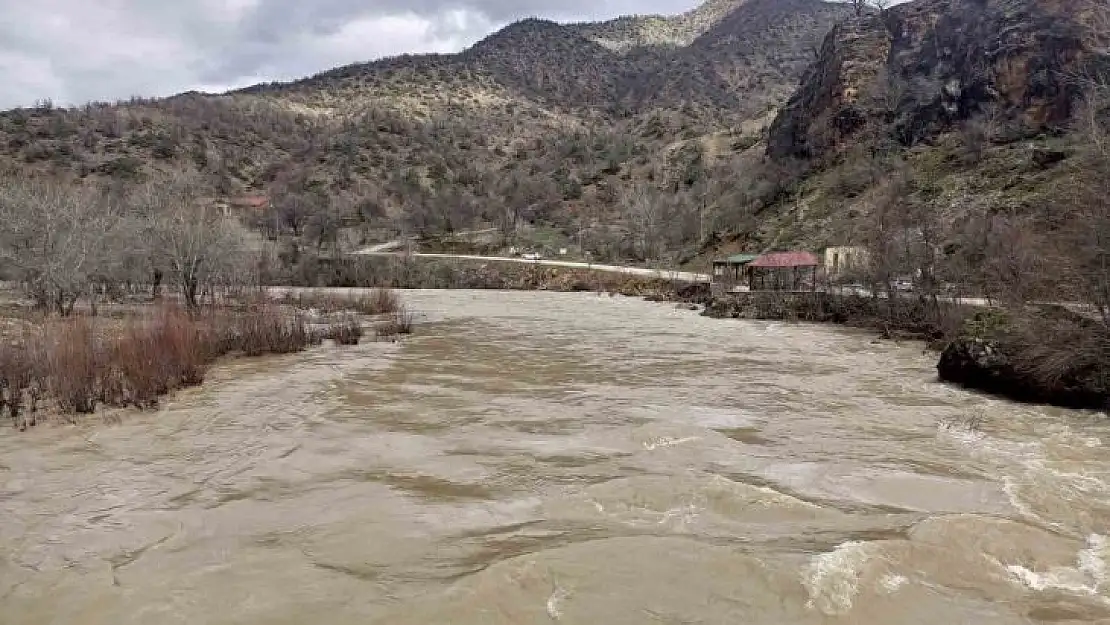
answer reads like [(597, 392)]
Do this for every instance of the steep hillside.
[(938, 119), (636, 31), (746, 63)]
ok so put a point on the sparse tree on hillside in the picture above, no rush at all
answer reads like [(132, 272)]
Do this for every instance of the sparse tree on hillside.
[(861, 6), (1014, 260), (884, 234), (292, 211), (643, 210), (323, 228), (1084, 245)]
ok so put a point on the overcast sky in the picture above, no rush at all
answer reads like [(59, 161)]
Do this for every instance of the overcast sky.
[(73, 51)]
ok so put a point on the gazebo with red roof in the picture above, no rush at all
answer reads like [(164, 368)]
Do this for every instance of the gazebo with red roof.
[(782, 271)]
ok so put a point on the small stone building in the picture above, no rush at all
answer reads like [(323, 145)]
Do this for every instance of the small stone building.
[(841, 262)]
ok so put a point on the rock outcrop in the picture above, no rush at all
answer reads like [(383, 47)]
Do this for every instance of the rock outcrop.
[(1006, 362), (917, 69)]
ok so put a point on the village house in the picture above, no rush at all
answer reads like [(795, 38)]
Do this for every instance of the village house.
[(844, 262)]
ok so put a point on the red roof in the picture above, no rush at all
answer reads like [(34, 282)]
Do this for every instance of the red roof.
[(251, 201), (786, 259)]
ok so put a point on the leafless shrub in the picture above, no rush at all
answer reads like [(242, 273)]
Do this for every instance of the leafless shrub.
[(376, 301), (381, 301), (400, 322), (1059, 350), (78, 367), (152, 358), (75, 360), (19, 385), (345, 331), (267, 330)]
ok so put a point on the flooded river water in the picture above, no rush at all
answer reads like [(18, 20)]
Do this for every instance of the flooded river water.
[(565, 458)]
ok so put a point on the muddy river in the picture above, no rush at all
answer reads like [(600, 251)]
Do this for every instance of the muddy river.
[(565, 458)]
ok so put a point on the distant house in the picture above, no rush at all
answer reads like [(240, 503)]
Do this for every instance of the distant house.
[(784, 271), (843, 261)]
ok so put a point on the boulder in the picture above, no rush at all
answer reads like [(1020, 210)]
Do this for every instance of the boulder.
[(988, 365)]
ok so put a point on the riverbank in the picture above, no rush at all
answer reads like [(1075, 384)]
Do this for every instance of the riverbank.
[(901, 318), (131, 356), (1042, 355)]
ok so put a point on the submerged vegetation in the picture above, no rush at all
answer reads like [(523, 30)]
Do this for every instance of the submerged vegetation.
[(375, 301), (74, 365)]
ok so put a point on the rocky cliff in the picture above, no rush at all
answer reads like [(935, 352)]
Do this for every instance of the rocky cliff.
[(914, 71)]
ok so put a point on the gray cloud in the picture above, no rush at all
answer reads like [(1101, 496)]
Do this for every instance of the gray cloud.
[(73, 51)]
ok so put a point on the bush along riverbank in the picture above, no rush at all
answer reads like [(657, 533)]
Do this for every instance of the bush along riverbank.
[(909, 319), (1037, 354), (1046, 355), (72, 366)]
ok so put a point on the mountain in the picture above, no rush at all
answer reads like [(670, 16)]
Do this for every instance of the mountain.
[(555, 125), (747, 61)]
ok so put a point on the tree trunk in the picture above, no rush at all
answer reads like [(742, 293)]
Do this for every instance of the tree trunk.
[(156, 289), (189, 290)]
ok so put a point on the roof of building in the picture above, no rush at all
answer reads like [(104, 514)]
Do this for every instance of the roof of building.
[(742, 259), (251, 201), (786, 259), (737, 259)]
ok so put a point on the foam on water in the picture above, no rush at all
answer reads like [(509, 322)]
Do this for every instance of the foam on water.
[(1022, 464), (989, 448), (832, 579), (891, 583), (1088, 577), (663, 442), (1093, 560), (1012, 488), (557, 597)]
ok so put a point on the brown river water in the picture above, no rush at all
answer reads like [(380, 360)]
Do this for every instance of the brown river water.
[(565, 458)]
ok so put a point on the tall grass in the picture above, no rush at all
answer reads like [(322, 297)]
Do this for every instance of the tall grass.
[(346, 331), (78, 367), (400, 322), (377, 301)]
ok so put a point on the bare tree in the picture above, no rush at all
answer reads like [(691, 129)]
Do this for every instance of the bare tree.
[(880, 237), (293, 211), (323, 226), (187, 235), (643, 210), (861, 6), (1014, 260), (58, 236)]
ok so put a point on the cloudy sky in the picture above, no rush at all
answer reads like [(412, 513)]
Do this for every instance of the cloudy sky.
[(73, 51)]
